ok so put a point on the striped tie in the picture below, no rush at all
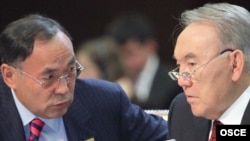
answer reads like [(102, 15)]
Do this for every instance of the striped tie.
[(36, 126)]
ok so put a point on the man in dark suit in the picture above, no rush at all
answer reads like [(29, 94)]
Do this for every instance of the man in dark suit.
[(135, 36), (39, 81), (212, 53)]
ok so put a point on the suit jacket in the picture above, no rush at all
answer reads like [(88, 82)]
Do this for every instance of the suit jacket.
[(162, 92), (100, 110), (183, 126)]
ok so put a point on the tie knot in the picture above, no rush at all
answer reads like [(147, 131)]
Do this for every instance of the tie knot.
[(36, 126), (37, 122), (217, 122)]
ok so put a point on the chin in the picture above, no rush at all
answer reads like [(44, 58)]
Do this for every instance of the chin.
[(57, 115), (197, 111)]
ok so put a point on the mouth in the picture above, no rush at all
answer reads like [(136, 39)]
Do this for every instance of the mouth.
[(62, 104), (191, 99)]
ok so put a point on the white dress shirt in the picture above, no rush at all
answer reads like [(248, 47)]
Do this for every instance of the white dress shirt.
[(144, 82)]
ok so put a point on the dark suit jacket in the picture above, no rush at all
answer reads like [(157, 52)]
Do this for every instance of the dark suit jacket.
[(183, 126), (100, 109), (162, 92)]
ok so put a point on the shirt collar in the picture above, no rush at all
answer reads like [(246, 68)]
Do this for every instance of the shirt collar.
[(27, 116)]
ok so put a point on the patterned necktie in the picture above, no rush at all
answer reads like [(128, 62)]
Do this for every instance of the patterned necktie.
[(36, 126), (213, 136)]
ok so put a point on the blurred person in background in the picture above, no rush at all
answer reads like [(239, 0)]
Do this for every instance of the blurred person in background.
[(101, 60), (138, 48)]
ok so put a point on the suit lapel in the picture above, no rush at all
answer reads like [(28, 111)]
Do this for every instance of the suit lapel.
[(199, 131), (11, 127), (246, 117)]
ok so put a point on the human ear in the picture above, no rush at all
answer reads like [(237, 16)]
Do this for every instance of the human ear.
[(8, 74), (237, 64)]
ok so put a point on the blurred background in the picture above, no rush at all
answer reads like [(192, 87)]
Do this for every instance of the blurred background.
[(86, 19), (140, 66)]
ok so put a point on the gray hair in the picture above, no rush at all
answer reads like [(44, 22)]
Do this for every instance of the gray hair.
[(232, 22)]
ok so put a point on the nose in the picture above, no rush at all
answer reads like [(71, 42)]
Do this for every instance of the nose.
[(62, 85), (63, 77), (183, 82)]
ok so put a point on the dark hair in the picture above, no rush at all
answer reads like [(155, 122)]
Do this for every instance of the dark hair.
[(17, 39), (130, 26)]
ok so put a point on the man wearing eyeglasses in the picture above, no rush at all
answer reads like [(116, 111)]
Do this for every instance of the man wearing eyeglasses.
[(212, 55), (42, 99)]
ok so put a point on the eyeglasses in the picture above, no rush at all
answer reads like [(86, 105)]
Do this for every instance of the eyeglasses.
[(175, 74), (47, 82)]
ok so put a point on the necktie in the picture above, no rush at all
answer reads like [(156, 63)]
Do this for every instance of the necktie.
[(213, 136), (36, 126)]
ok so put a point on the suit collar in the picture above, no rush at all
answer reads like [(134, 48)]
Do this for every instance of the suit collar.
[(9, 116), (246, 117)]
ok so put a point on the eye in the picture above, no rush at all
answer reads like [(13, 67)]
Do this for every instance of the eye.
[(191, 64), (72, 70), (49, 77)]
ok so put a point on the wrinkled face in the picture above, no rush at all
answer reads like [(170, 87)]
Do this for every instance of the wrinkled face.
[(134, 55), (208, 91), (49, 59)]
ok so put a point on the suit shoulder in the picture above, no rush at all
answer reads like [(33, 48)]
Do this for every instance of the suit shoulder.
[(97, 88), (180, 98), (179, 102), (96, 83)]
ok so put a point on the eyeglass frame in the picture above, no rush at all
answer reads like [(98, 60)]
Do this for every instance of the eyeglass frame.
[(78, 70), (187, 75)]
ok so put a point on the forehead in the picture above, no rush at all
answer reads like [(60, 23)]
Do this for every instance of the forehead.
[(197, 40), (58, 50)]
